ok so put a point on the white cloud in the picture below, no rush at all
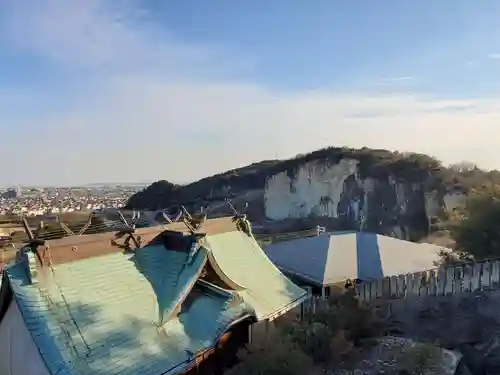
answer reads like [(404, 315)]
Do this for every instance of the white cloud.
[(143, 122), (494, 56), (398, 79)]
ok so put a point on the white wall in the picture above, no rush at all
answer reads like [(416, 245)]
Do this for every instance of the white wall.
[(305, 194), (18, 353)]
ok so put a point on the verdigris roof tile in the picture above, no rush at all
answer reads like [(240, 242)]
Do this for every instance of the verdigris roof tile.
[(100, 315), (264, 287)]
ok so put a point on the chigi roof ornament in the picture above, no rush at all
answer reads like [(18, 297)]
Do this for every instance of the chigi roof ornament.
[(240, 219), (169, 220), (69, 232), (129, 231), (193, 225), (30, 251)]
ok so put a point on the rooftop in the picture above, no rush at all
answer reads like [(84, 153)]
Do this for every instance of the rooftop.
[(101, 310), (331, 258)]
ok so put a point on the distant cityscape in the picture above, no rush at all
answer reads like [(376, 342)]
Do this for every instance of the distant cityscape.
[(36, 201)]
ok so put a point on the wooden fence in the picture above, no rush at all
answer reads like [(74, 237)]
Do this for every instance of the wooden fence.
[(444, 281)]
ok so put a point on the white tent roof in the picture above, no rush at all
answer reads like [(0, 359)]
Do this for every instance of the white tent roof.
[(331, 257)]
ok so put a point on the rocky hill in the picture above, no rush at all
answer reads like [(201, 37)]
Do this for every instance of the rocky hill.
[(376, 190)]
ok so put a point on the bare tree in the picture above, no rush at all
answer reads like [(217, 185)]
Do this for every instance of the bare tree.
[(464, 167)]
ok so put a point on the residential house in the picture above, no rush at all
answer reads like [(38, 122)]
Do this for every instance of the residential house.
[(87, 305)]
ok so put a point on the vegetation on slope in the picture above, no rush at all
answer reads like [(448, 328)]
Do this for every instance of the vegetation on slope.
[(410, 167), (323, 340), (475, 228), (340, 336), (163, 194)]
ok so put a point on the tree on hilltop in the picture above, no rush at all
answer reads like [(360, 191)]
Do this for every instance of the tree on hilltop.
[(476, 228)]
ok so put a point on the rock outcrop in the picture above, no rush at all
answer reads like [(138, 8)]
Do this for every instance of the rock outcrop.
[(339, 192), (374, 190)]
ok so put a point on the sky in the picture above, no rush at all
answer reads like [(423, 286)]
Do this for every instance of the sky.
[(141, 90)]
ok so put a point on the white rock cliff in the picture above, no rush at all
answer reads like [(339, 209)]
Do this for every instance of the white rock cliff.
[(317, 189)]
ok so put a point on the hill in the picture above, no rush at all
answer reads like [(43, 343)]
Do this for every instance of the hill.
[(386, 192)]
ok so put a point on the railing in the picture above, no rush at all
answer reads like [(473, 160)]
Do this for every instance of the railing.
[(281, 237)]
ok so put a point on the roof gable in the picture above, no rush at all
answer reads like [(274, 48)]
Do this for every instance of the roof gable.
[(171, 274), (113, 313), (238, 258), (95, 316)]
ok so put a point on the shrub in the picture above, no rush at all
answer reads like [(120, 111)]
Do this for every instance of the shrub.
[(275, 354), (329, 337)]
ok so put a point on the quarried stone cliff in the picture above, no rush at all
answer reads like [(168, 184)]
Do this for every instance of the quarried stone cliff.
[(374, 190), (340, 192)]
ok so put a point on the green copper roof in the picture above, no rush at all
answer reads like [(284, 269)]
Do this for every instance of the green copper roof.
[(99, 316), (114, 314), (265, 288)]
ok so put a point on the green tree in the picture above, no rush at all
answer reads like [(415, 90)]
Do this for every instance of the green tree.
[(476, 228)]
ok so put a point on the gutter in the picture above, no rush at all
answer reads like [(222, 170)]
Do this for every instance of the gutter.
[(287, 308)]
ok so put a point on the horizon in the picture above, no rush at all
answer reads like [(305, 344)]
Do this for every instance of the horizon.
[(92, 90), (146, 184)]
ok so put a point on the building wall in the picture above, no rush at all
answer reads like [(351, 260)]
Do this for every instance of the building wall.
[(18, 353)]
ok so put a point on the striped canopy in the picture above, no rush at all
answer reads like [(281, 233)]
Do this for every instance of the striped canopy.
[(334, 257)]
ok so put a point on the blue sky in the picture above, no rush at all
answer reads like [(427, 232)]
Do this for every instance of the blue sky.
[(97, 90), (345, 44)]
